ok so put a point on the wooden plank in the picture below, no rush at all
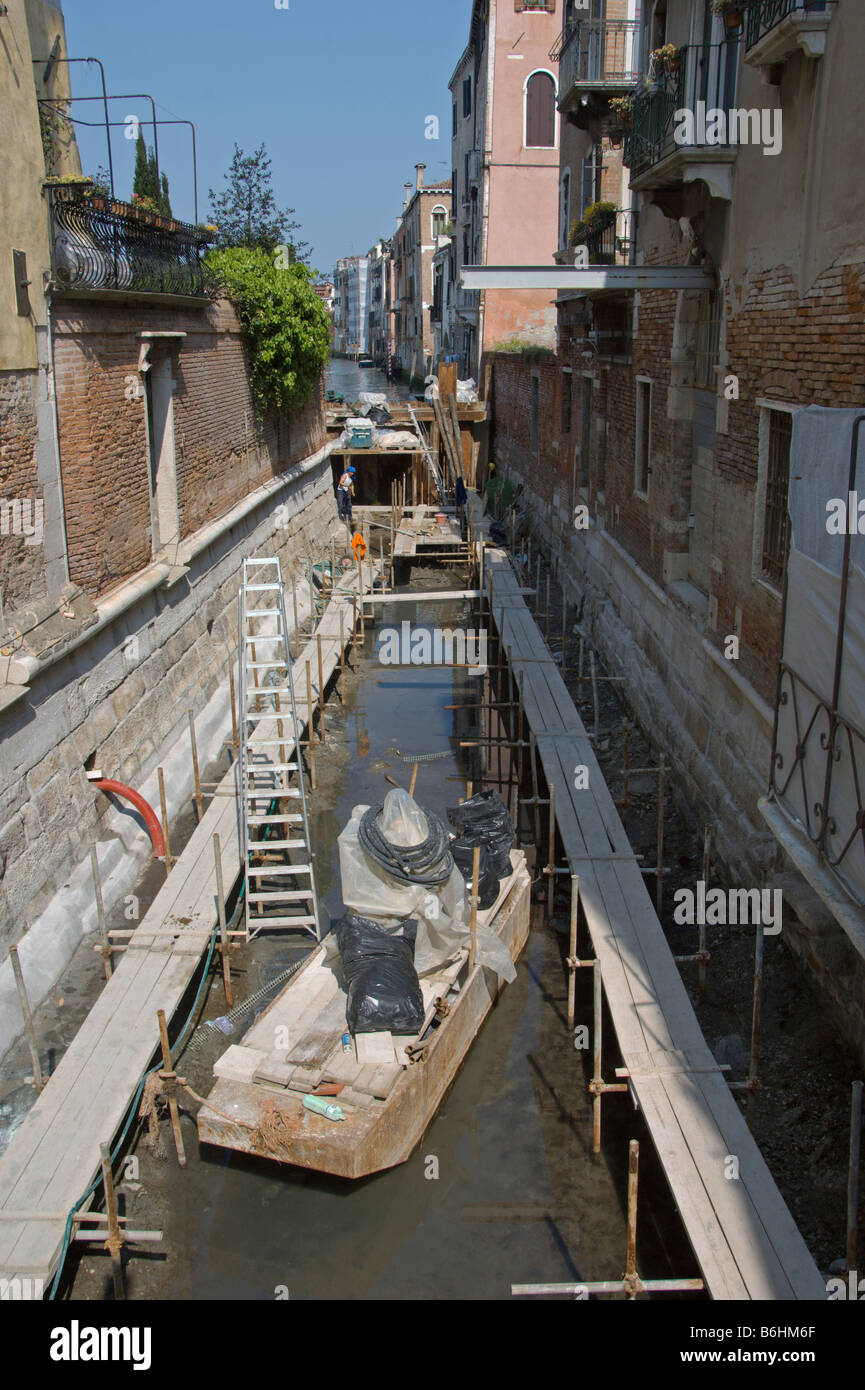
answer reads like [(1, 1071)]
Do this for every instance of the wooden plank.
[(375, 1048), (317, 1043), (238, 1063), (743, 1234)]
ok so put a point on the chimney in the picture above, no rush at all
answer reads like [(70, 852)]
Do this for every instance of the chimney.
[(420, 168), (407, 198)]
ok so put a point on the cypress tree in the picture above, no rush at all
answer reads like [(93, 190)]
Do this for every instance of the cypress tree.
[(140, 181)]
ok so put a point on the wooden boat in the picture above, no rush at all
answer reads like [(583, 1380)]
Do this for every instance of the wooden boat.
[(391, 1091)]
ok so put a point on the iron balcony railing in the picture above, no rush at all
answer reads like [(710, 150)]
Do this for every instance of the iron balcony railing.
[(818, 774), (100, 244), (703, 80), (599, 53), (613, 241), (763, 15)]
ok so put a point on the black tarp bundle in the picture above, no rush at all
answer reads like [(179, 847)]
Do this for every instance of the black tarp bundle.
[(384, 993), (484, 820), (463, 851)]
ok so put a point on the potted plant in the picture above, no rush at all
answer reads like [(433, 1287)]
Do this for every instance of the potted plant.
[(731, 11), (99, 190), (621, 119), (596, 219), (146, 208), (667, 58), (599, 215)]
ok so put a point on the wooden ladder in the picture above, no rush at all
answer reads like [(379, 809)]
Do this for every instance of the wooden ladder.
[(277, 852)]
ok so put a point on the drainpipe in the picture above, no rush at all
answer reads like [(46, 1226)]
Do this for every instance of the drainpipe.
[(154, 829), (51, 385)]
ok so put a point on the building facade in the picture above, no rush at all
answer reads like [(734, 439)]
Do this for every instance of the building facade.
[(505, 160), (351, 307), (444, 290), (380, 331), (426, 215), (672, 415)]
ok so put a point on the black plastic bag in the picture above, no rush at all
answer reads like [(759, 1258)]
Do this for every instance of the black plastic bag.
[(485, 818), (463, 851), (384, 993)]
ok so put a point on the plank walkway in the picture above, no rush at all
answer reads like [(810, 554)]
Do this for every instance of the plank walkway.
[(54, 1156), (420, 531), (743, 1235)]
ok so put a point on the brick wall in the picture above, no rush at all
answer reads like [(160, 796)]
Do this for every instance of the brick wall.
[(222, 451), (805, 350), (511, 442), (122, 699), (22, 570)]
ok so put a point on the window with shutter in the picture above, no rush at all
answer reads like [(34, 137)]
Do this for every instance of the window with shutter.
[(540, 111)]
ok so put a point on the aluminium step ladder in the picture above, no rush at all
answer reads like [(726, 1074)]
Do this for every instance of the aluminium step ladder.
[(427, 453), (277, 851)]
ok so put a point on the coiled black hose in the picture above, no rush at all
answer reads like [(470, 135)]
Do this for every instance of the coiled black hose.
[(429, 863)]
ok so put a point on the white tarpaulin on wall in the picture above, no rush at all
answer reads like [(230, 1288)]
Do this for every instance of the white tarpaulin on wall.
[(819, 477)]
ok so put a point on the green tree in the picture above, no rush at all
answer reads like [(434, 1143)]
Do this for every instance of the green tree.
[(285, 324), (142, 183), (163, 200), (245, 212), (146, 185)]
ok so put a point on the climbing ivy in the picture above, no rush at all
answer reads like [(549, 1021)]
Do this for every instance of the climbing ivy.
[(286, 325)]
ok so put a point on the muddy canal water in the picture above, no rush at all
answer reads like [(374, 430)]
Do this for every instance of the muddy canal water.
[(347, 377), (502, 1188)]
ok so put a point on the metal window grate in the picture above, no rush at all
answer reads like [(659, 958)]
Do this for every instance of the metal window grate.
[(644, 435), (708, 341), (776, 522)]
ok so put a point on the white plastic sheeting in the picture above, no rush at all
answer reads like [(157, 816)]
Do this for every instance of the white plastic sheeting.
[(467, 391), (819, 473), (381, 439), (442, 913)]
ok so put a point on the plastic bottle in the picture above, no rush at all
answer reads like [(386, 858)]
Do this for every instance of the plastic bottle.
[(319, 1105), (346, 1042)]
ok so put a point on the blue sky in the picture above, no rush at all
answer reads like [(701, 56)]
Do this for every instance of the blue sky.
[(338, 91)]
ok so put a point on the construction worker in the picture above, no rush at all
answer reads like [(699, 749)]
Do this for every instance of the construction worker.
[(461, 498), (344, 493)]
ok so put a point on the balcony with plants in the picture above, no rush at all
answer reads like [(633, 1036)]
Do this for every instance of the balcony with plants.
[(662, 149), (775, 29), (608, 233), (597, 57), (101, 244)]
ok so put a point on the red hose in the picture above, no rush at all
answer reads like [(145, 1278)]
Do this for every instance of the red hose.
[(151, 819)]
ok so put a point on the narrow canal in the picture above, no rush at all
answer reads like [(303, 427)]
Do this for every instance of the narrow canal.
[(348, 378), (502, 1188)]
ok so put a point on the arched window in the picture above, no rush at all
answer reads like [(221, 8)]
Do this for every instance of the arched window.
[(439, 220), (541, 111)]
